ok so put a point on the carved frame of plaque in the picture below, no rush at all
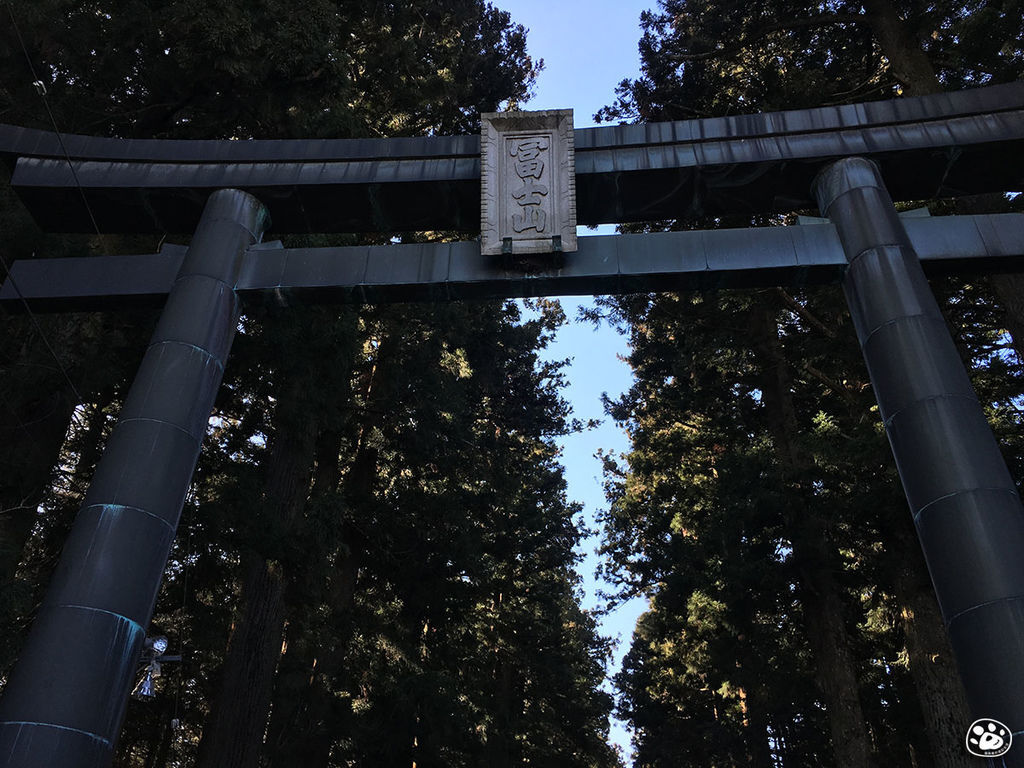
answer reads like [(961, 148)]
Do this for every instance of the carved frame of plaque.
[(527, 182)]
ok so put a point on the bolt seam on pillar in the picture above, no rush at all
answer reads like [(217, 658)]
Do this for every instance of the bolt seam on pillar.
[(895, 321), (211, 355), (60, 728), (204, 277), (129, 507), (65, 701), (982, 605), (115, 614), (145, 420), (952, 396), (961, 493), (869, 251), (964, 503)]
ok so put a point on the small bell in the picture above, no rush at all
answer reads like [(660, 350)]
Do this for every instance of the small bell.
[(144, 690)]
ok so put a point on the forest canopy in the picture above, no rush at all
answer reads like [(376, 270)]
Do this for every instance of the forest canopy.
[(378, 560), (791, 621)]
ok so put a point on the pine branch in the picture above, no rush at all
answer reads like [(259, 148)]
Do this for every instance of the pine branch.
[(816, 21), (837, 387), (803, 312)]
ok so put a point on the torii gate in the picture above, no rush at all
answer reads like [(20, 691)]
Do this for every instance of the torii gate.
[(65, 701)]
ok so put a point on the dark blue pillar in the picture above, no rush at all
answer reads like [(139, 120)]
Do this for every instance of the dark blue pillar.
[(65, 700), (965, 504)]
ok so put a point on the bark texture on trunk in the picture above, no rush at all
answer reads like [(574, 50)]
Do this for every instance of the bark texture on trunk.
[(815, 559), (1009, 291), (939, 689), (302, 727), (906, 57), (233, 737), (836, 673), (300, 732), (759, 753), (501, 748)]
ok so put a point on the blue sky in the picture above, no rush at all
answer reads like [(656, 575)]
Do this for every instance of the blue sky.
[(588, 48)]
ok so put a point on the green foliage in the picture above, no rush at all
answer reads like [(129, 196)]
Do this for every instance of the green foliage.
[(272, 69), (756, 464), (715, 57), (701, 520), (384, 483)]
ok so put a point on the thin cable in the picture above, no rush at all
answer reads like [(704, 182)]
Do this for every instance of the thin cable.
[(21, 424), (39, 329), (24, 427), (181, 616), (56, 130)]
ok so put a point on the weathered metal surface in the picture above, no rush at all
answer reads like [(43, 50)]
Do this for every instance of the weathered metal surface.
[(65, 699), (63, 704), (964, 502), (67, 285), (527, 183), (802, 255), (931, 146)]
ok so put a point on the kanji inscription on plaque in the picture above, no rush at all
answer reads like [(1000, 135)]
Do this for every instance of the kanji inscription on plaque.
[(528, 182)]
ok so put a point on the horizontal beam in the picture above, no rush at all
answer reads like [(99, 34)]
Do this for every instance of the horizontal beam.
[(85, 283), (666, 261), (16, 141), (967, 142)]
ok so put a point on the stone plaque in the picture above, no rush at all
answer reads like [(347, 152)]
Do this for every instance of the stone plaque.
[(528, 182)]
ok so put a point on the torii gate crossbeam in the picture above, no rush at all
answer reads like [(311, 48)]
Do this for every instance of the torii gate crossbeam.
[(64, 702)]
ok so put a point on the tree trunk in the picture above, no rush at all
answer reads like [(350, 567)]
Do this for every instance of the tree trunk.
[(906, 57), (500, 748), (814, 557), (939, 689), (158, 756), (1009, 291), (826, 625), (300, 694), (233, 737), (298, 720), (300, 730), (759, 753), (912, 68), (32, 434)]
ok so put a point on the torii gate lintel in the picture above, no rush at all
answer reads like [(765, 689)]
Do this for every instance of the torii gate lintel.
[(64, 703)]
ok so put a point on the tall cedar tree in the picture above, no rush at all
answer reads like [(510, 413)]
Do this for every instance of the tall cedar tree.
[(858, 579), (378, 549)]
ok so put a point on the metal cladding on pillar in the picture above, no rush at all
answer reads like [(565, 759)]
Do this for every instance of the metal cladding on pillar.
[(964, 502), (66, 698)]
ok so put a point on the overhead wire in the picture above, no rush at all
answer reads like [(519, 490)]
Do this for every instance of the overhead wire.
[(186, 562), (41, 88), (39, 330), (37, 82)]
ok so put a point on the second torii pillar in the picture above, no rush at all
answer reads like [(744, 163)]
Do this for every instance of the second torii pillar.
[(965, 505)]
